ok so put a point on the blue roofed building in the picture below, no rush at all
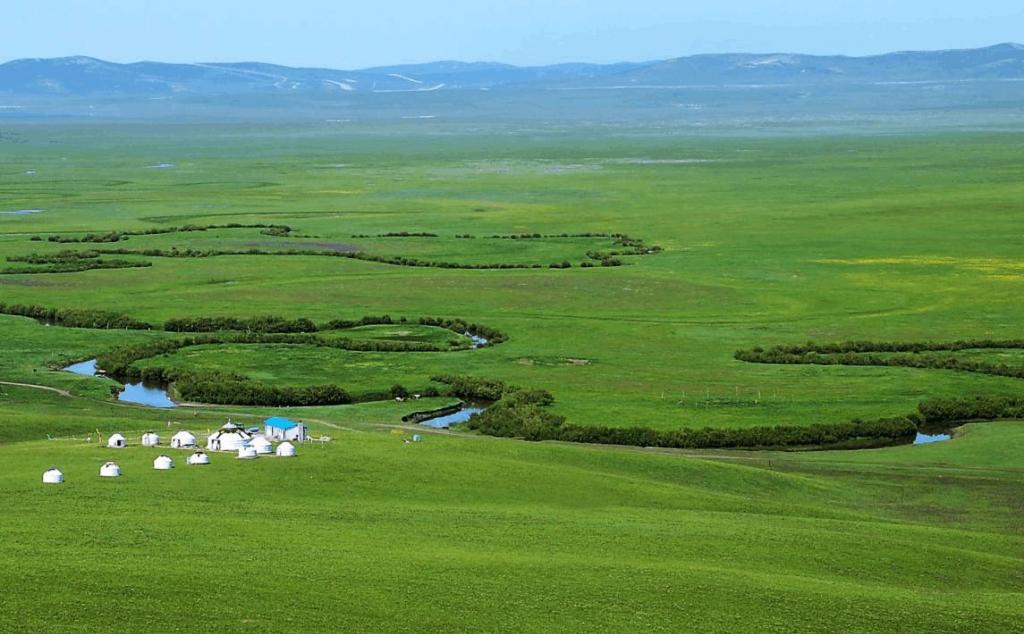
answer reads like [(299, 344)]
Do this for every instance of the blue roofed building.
[(278, 428)]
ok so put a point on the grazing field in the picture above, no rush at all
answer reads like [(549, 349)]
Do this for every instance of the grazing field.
[(624, 271)]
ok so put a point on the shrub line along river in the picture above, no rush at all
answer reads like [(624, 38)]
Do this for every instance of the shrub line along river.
[(156, 396)]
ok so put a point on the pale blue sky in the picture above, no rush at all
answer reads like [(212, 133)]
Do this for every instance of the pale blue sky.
[(342, 34)]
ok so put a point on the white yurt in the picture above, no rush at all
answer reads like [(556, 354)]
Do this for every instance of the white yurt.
[(230, 437), (199, 457), (286, 450), (150, 439), (163, 463), (53, 475), (183, 440), (110, 470), (247, 453), (262, 445), (116, 441)]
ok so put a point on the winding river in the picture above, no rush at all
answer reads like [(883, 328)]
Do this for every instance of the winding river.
[(138, 393)]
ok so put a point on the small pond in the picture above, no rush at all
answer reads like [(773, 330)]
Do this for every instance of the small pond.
[(446, 417), (446, 421), (478, 341), (138, 393), (924, 439)]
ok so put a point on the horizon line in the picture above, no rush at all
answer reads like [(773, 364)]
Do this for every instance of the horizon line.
[(1014, 45)]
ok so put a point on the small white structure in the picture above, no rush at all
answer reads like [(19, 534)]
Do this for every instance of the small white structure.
[(199, 457), (110, 470), (230, 437), (116, 441), (278, 428), (150, 439), (262, 445), (247, 453), (417, 438), (183, 440), (286, 450), (163, 463), (53, 475)]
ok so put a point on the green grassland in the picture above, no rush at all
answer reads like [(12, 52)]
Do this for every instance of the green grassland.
[(753, 255), (766, 241)]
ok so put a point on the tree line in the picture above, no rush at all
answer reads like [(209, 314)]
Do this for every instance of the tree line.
[(522, 413), (117, 236), (393, 260), (75, 317), (67, 262), (99, 319), (397, 234), (902, 354)]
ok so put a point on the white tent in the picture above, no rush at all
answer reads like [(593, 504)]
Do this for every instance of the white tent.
[(110, 470), (163, 463), (150, 439), (53, 476), (199, 457), (247, 453), (230, 437), (262, 445), (116, 441), (183, 440), (286, 450)]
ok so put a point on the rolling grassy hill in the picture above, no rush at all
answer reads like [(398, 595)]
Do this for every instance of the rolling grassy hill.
[(766, 241)]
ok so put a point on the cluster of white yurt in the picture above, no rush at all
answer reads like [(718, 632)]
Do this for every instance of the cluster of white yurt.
[(199, 457), (183, 440), (229, 438)]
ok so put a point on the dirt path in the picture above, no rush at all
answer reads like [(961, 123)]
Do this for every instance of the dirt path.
[(63, 393)]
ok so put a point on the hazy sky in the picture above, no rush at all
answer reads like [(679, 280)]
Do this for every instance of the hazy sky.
[(341, 34)]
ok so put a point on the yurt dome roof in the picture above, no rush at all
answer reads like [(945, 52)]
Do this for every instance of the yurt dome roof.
[(163, 462), (223, 433), (199, 457)]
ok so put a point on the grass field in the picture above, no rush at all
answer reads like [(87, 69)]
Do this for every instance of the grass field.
[(766, 241)]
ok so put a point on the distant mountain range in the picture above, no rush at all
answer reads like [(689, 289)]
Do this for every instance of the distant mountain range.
[(89, 77)]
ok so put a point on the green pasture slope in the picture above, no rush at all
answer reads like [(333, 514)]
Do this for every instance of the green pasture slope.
[(766, 241)]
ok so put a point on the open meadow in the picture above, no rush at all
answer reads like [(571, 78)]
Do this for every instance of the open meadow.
[(642, 279)]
